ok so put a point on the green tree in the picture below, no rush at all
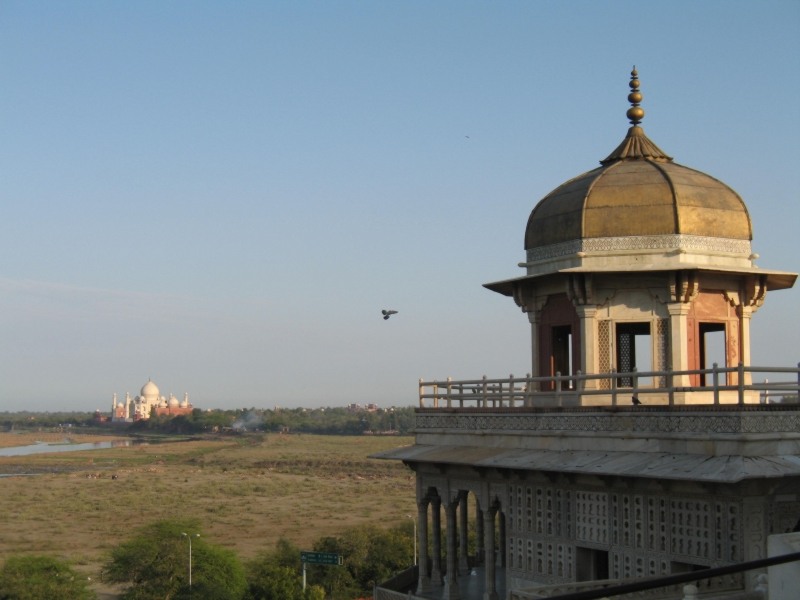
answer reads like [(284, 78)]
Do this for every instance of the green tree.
[(277, 575), (37, 576), (369, 554), (154, 565)]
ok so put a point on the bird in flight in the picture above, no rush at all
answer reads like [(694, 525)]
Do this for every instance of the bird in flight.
[(635, 400), (466, 136), (388, 313)]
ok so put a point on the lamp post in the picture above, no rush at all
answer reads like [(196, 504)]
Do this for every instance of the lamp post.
[(415, 536), (190, 536)]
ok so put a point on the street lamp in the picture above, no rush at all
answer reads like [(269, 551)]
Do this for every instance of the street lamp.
[(190, 536), (415, 536)]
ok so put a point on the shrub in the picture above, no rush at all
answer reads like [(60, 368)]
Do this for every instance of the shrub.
[(36, 576)]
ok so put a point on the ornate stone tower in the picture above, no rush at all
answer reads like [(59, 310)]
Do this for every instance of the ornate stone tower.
[(640, 251), (636, 266)]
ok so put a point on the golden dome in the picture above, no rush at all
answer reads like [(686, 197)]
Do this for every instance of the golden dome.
[(638, 191)]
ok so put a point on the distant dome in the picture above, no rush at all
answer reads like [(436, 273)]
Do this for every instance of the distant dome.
[(150, 391), (162, 404), (173, 401), (185, 404)]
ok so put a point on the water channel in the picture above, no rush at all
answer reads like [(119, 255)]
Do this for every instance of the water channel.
[(43, 447)]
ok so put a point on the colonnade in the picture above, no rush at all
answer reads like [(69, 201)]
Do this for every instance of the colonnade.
[(488, 551)]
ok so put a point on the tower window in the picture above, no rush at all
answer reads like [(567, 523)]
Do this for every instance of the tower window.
[(561, 360), (634, 351), (712, 350)]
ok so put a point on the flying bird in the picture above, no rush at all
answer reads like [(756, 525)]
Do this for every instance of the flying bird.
[(388, 313), (466, 136), (636, 401)]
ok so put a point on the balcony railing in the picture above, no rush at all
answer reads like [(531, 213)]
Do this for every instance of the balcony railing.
[(579, 389)]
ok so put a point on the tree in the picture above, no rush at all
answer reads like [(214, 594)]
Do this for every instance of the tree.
[(38, 576), (154, 564), (277, 575), (370, 554)]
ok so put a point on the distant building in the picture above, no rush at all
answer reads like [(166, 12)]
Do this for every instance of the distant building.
[(149, 402), (354, 407)]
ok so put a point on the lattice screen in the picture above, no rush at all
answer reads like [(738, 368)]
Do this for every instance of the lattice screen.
[(642, 531), (591, 510), (604, 351), (662, 348), (692, 525), (625, 352)]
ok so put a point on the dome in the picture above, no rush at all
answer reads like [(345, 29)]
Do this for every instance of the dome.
[(150, 391), (173, 401), (639, 191), (162, 404), (185, 404)]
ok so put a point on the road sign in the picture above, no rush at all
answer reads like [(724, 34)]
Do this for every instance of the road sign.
[(320, 558)]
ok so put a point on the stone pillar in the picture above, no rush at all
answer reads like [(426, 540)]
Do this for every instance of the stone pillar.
[(679, 341), (424, 583), (463, 533), (491, 587), (478, 533), (535, 317), (501, 546), (588, 343), (436, 525), (451, 584), (745, 314)]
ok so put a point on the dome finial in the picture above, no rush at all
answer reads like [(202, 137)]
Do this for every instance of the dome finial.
[(635, 112)]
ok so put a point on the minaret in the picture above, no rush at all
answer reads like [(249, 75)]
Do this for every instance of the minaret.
[(114, 406), (127, 414)]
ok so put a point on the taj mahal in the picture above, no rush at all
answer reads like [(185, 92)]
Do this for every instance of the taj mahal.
[(631, 461), (149, 402)]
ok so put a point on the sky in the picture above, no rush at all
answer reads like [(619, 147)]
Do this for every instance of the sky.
[(222, 196)]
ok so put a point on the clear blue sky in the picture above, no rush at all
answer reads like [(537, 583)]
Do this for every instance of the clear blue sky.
[(223, 195)]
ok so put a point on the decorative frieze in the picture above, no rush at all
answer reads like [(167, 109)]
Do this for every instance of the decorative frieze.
[(697, 243), (661, 423)]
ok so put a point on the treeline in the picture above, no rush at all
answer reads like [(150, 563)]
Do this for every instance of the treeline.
[(323, 421), (338, 421), (152, 565), (26, 420)]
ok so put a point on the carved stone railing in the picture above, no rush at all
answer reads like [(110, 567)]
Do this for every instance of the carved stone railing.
[(604, 389)]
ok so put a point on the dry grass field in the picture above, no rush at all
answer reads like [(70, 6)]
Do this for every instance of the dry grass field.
[(248, 491)]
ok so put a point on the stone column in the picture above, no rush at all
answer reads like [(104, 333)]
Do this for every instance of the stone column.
[(491, 587), (478, 533), (424, 583), (679, 341), (535, 317), (451, 584), (501, 546), (436, 525), (588, 343), (463, 534), (745, 314)]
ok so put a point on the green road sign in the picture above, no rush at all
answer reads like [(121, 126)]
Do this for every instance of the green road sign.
[(320, 558)]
